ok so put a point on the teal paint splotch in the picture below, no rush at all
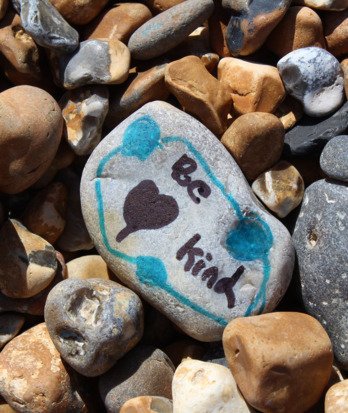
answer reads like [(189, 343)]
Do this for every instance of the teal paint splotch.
[(250, 240)]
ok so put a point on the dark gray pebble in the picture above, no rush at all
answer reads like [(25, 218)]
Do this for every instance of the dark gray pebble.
[(334, 158)]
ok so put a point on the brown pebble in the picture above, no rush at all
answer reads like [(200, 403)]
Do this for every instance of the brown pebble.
[(336, 32), (33, 378), (344, 65), (218, 22), (300, 27), (199, 93), (336, 399), (281, 361), (255, 140), (147, 404), (77, 11), (157, 6), (119, 23), (3, 8), (31, 127), (253, 87)]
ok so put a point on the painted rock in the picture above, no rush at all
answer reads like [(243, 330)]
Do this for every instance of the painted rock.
[(320, 239), (324, 4), (201, 387), (145, 370), (334, 158), (336, 32), (336, 399), (30, 131), (79, 12), (148, 226), (33, 377), (313, 76), (311, 134), (93, 323), (147, 404), (95, 62), (248, 29), (168, 29), (84, 111), (28, 263), (47, 26), (89, 266), (10, 324), (281, 361)]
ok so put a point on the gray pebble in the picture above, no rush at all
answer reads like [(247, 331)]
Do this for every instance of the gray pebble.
[(321, 240), (313, 76), (93, 323), (169, 28), (10, 324), (334, 158), (143, 371), (46, 25)]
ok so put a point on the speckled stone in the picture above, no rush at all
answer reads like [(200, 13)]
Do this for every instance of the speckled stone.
[(10, 324), (202, 387), (47, 26), (336, 399), (45, 213), (310, 135), (33, 377), (27, 262), (248, 30), (147, 404), (149, 194), (169, 28), (95, 62), (89, 266), (334, 158), (281, 361), (84, 111), (144, 371), (93, 323), (77, 11), (336, 32), (313, 76), (320, 239), (336, 5)]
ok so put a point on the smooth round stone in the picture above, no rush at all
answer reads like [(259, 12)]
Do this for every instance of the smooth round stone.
[(33, 377), (313, 76), (77, 11), (281, 361), (336, 5), (120, 22), (10, 324), (255, 140), (46, 25), (202, 387), (84, 111), (168, 29), (93, 323), (144, 371), (28, 263), (147, 404), (88, 266), (281, 188), (95, 62), (30, 131), (336, 32), (310, 135), (45, 213), (336, 399), (320, 239), (334, 158), (144, 192)]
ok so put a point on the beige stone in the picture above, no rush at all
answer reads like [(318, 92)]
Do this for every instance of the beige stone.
[(281, 188), (255, 140), (281, 361), (344, 65), (336, 32), (300, 27), (6, 408), (30, 131), (160, 5), (28, 263), (45, 213), (336, 399), (77, 11), (199, 93), (253, 87), (147, 404), (289, 112), (33, 378), (120, 22), (89, 266)]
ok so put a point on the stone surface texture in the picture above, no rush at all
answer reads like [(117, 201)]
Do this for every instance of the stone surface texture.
[(334, 158)]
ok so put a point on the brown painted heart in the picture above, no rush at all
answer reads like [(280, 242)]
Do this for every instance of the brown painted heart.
[(146, 208)]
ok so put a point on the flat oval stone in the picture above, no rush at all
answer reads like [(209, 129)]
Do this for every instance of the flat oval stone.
[(168, 29), (93, 323), (334, 158), (313, 76), (3, 8), (148, 225)]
